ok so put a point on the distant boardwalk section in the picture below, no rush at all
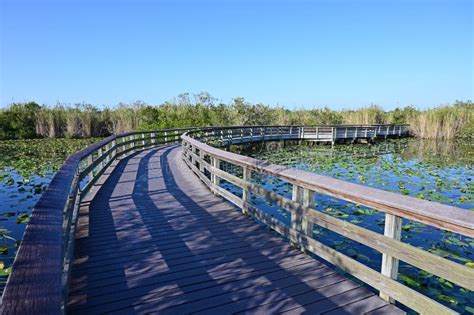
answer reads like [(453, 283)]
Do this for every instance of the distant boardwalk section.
[(141, 222)]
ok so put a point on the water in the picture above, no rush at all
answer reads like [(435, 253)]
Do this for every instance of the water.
[(436, 171), (26, 168)]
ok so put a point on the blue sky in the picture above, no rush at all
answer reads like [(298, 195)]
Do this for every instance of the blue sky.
[(342, 54)]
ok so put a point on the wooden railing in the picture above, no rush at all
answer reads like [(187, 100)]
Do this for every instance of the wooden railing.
[(40, 275), (205, 161)]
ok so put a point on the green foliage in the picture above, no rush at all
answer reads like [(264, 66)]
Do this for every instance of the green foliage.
[(18, 121), (29, 120)]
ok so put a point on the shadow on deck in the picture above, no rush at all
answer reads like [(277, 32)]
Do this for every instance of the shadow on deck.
[(155, 239)]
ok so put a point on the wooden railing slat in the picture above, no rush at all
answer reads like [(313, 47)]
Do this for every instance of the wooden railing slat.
[(303, 216)]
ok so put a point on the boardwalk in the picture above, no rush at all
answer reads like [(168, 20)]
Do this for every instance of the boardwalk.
[(155, 239)]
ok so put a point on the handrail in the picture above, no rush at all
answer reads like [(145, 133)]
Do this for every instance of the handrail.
[(205, 161), (40, 273)]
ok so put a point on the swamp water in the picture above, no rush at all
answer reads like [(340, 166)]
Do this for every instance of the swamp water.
[(26, 168), (437, 171)]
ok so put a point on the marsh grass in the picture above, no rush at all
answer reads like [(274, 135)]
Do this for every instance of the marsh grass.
[(30, 120)]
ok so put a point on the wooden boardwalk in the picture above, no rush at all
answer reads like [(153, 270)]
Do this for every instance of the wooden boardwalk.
[(153, 238)]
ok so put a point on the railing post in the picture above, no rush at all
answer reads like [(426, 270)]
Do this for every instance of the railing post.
[(201, 163), (333, 129), (247, 176), (101, 152), (296, 196), (299, 223), (217, 164), (132, 145), (393, 229), (90, 160), (193, 150), (306, 225), (114, 151)]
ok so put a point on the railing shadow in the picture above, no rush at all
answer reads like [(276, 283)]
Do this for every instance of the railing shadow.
[(174, 264)]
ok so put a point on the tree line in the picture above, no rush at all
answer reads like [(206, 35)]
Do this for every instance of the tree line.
[(31, 120)]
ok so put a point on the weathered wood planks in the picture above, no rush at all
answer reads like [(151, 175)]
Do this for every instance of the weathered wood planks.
[(394, 205), (185, 250)]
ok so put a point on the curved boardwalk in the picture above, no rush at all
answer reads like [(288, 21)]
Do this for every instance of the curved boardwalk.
[(155, 239)]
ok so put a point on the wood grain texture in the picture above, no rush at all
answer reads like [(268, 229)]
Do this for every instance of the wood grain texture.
[(422, 259), (442, 216), (186, 250), (35, 283)]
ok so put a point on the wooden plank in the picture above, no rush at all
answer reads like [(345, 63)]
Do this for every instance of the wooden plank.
[(359, 307), (386, 310), (167, 293), (442, 216), (269, 294), (325, 305), (190, 269), (440, 266), (204, 298), (392, 229), (398, 291), (420, 258)]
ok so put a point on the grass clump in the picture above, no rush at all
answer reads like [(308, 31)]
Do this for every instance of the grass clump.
[(30, 120)]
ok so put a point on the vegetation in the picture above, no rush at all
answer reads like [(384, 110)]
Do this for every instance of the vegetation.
[(26, 168), (439, 171), (30, 120)]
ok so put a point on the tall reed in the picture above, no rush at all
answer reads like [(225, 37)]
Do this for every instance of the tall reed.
[(27, 120)]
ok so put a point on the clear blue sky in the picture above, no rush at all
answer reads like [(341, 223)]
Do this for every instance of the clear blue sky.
[(293, 53)]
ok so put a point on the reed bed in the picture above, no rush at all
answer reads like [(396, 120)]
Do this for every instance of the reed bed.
[(30, 120)]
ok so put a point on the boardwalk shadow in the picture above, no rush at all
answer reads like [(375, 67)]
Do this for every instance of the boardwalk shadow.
[(182, 249), (222, 296)]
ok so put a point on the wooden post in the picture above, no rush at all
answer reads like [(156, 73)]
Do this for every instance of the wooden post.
[(114, 151), (308, 201), (101, 154), (201, 163), (217, 164), (393, 229), (333, 129), (90, 160), (247, 176), (193, 161), (143, 139), (297, 196)]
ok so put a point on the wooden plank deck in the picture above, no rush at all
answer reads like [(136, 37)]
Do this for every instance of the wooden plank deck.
[(153, 238)]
